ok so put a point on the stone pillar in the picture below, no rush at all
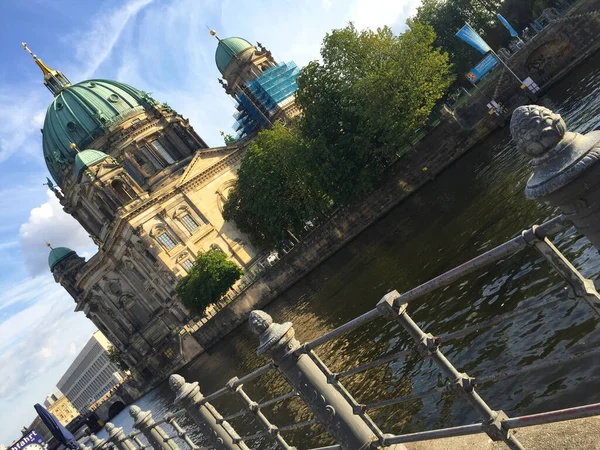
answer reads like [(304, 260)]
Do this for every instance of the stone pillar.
[(97, 443), (566, 173), (143, 421), (221, 435), (118, 437), (331, 408)]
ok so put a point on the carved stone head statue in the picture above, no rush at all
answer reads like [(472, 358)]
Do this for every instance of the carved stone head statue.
[(536, 129)]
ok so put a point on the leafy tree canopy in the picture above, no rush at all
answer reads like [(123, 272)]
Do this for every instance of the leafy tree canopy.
[(362, 103), (274, 195), (209, 279), (114, 356)]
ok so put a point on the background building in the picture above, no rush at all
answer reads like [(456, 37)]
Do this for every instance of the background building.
[(91, 375), (61, 407)]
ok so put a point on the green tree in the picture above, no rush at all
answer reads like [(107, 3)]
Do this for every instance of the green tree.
[(211, 276), (448, 16), (274, 194), (364, 102), (114, 356)]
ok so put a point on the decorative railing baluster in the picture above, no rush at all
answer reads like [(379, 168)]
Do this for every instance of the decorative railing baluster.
[(143, 421), (181, 433), (118, 438), (236, 387), (134, 437), (461, 382), (220, 433), (329, 401)]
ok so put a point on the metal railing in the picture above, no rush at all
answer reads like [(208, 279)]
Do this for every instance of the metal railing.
[(332, 405)]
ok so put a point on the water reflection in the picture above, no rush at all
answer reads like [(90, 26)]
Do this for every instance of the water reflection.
[(475, 205)]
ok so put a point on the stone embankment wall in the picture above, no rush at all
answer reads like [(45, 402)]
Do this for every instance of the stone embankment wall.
[(436, 151)]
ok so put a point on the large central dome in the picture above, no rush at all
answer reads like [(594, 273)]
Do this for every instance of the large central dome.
[(227, 49), (80, 113)]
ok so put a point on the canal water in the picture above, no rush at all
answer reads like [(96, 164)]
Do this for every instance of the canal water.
[(474, 205)]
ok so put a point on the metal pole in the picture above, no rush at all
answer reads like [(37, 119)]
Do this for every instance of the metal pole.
[(459, 382), (220, 434), (143, 421), (348, 424), (117, 437)]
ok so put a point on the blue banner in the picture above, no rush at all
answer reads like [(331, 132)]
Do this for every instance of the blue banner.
[(484, 66), (510, 29), (32, 438), (470, 36)]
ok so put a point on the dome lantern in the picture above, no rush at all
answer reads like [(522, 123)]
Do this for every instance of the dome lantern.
[(58, 255)]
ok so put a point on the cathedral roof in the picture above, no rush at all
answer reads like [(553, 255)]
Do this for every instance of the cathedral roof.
[(229, 48), (57, 255), (82, 112), (85, 159)]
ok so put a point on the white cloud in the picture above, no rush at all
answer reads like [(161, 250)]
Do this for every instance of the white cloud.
[(105, 29), (49, 223), (37, 344), (377, 13)]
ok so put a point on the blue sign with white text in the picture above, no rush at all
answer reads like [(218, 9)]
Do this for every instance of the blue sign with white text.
[(484, 66), (31, 441), (470, 36)]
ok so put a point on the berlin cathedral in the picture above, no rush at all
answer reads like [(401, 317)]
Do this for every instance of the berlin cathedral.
[(150, 192)]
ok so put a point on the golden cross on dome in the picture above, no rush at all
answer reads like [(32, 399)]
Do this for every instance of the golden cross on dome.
[(45, 69), (49, 245)]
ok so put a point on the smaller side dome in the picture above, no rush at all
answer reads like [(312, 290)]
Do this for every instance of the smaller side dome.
[(85, 159), (227, 49), (57, 255)]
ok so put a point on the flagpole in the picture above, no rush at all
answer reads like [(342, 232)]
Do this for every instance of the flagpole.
[(499, 60)]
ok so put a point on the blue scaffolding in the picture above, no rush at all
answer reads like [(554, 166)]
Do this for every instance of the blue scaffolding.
[(261, 98)]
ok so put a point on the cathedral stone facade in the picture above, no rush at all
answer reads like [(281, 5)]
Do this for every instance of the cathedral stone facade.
[(149, 191)]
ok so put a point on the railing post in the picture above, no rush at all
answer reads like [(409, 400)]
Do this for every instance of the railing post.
[(97, 443), (324, 395), (221, 435), (118, 438), (565, 166), (458, 382), (143, 421)]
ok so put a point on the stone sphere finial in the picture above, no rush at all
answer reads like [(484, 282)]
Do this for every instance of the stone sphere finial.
[(176, 382), (109, 427), (96, 441), (134, 411), (536, 129), (259, 322)]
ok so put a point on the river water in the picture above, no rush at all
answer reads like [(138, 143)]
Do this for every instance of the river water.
[(474, 205)]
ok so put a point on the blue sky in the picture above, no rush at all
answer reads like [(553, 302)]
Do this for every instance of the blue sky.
[(159, 46)]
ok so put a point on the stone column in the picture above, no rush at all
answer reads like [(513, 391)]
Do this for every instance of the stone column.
[(220, 434), (97, 443), (331, 408), (566, 173), (118, 437), (143, 421)]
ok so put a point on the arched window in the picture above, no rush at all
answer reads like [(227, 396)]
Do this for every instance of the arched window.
[(189, 222), (165, 240), (217, 248), (187, 264), (123, 195)]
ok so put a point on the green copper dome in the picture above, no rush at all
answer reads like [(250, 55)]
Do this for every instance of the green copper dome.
[(227, 49), (82, 112), (87, 158), (57, 255)]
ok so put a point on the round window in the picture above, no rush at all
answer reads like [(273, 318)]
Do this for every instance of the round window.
[(59, 105), (114, 98), (72, 126), (92, 84)]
